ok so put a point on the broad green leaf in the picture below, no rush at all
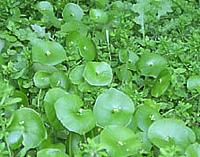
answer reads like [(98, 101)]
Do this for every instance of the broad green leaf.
[(15, 139), (41, 67), (72, 11), (98, 73), (99, 16), (49, 100), (47, 52), (168, 131), (87, 48), (51, 152), (161, 84), (71, 114), (194, 83), (27, 122), (101, 3), (59, 79), (193, 150), (76, 74), (119, 141), (41, 79), (45, 7), (145, 116), (151, 64), (113, 107)]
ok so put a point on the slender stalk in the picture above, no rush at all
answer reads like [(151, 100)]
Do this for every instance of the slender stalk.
[(38, 99), (108, 44), (70, 144)]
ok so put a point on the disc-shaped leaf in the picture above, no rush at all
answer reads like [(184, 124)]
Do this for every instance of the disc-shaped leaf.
[(113, 107), (166, 131), (120, 141), (49, 100), (72, 116), (72, 11), (193, 83), (87, 48), (29, 123), (47, 52), (161, 84), (98, 16), (145, 116), (76, 75), (15, 139), (41, 79), (45, 7), (151, 64), (51, 152), (98, 73), (193, 150), (59, 79)]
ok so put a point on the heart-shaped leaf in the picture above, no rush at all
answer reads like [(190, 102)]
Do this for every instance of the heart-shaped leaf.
[(49, 100), (194, 83), (120, 141), (98, 73), (151, 64), (193, 150), (113, 107), (161, 84), (72, 11), (47, 52), (164, 131), (51, 152), (41, 79), (72, 116), (145, 116), (99, 16), (27, 123)]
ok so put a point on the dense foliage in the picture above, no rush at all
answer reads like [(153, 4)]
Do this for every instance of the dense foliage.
[(97, 78)]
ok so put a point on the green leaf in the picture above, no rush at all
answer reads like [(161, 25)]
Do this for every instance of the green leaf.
[(76, 74), (194, 83), (193, 150), (2, 44), (119, 141), (47, 52), (41, 79), (145, 116), (59, 79), (45, 7), (151, 64), (98, 73), (71, 114), (51, 152), (164, 8), (49, 100), (72, 11), (98, 16), (168, 131), (15, 139), (113, 107), (27, 122), (161, 84)]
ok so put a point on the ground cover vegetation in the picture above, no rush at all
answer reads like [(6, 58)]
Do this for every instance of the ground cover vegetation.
[(100, 78)]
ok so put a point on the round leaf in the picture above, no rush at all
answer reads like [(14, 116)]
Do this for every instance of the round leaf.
[(164, 131), (120, 141), (193, 150), (29, 123), (49, 100), (161, 84), (151, 64), (59, 79), (51, 152), (145, 116), (41, 79), (76, 75), (98, 73), (193, 83), (15, 139), (113, 107), (72, 116), (72, 11), (98, 16), (45, 7), (47, 52)]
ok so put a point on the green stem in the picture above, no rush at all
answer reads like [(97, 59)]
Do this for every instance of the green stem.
[(38, 100), (70, 144), (108, 44)]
